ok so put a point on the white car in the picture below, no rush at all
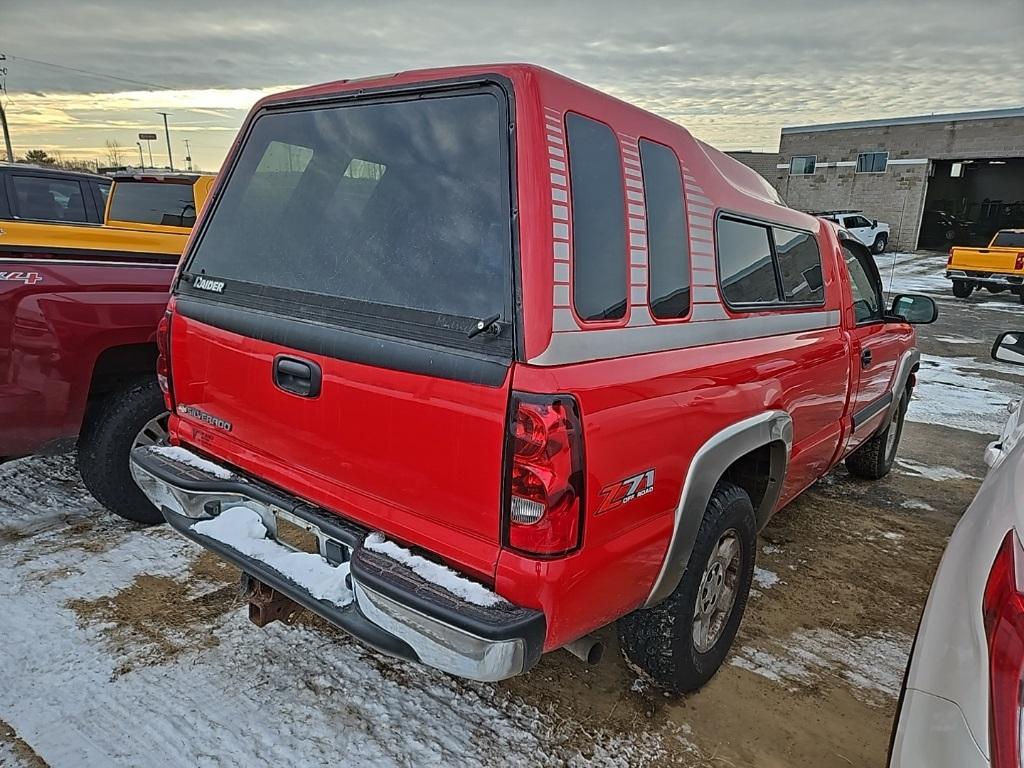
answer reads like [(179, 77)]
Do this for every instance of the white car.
[(961, 705), (873, 233)]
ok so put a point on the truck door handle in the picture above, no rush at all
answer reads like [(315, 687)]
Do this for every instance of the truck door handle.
[(300, 377), (865, 358)]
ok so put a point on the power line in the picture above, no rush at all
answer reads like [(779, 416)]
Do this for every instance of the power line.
[(12, 57)]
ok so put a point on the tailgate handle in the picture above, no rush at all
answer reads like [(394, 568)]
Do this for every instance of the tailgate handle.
[(300, 377)]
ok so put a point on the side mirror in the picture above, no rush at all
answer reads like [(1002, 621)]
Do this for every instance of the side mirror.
[(1009, 348), (813, 278), (874, 223), (915, 309)]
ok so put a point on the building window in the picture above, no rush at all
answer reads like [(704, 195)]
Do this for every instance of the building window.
[(598, 220), (802, 165), (745, 264), (668, 253), (872, 162), (799, 266)]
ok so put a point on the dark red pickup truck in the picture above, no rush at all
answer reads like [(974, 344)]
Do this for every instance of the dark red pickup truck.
[(474, 362), (79, 308)]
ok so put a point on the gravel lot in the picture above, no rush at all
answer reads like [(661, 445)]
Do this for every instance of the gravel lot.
[(126, 646)]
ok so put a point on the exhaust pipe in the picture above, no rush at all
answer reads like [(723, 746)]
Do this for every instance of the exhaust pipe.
[(588, 649)]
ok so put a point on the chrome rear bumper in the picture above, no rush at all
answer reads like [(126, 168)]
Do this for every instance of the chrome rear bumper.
[(392, 607)]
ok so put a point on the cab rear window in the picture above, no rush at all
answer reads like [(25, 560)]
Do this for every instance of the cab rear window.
[(169, 204), (400, 203), (1009, 240)]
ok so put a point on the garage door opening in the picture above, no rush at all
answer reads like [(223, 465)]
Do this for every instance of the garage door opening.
[(969, 200)]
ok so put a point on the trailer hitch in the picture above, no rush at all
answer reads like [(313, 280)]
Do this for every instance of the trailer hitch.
[(267, 605)]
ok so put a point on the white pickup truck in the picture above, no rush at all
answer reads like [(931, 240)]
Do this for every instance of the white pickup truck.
[(872, 232)]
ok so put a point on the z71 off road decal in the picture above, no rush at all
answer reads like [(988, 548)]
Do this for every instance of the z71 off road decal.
[(28, 278), (624, 491)]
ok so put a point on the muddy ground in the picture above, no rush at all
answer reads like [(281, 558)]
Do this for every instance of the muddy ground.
[(124, 646)]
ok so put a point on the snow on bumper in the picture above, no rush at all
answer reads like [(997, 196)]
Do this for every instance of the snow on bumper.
[(393, 600)]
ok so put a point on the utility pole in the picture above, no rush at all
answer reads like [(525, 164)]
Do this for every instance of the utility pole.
[(3, 115), (7, 134), (142, 160), (167, 134), (188, 155)]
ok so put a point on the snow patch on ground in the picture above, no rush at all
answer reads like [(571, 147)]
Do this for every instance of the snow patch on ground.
[(765, 579), (955, 392), (892, 536), (873, 664), (242, 529), (435, 573), (186, 456), (955, 340), (42, 492), (272, 696), (917, 504), (931, 471)]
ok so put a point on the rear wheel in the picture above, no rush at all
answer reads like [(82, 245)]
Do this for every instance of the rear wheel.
[(133, 416), (879, 245), (682, 641), (875, 458), (995, 288), (962, 289)]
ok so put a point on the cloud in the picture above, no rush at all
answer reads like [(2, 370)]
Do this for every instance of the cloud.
[(733, 72)]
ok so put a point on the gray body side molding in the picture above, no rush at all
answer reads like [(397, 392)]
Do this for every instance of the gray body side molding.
[(908, 363), (772, 428)]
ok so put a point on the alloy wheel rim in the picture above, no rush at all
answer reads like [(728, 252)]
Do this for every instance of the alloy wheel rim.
[(153, 432), (716, 595)]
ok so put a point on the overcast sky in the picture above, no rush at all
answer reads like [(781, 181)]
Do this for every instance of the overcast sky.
[(733, 73)]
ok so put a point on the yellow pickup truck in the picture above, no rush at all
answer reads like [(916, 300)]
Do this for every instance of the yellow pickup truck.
[(997, 268), (143, 215)]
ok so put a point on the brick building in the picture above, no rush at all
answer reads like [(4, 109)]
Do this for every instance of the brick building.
[(969, 164)]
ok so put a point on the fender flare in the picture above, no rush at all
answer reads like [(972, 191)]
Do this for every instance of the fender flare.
[(772, 428)]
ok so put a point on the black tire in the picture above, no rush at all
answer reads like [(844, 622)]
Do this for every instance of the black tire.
[(1020, 295), (995, 288), (105, 442), (660, 640), (874, 459), (962, 288), (879, 245)]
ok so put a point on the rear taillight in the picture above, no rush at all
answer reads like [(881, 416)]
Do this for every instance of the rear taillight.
[(949, 259), (545, 466), (1003, 613), (163, 359), (1018, 264)]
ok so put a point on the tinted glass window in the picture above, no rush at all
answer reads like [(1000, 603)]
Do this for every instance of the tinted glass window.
[(1009, 240), (104, 192), (799, 266), (598, 220), (170, 204), (668, 253), (801, 165), (872, 162), (856, 222), (402, 204), (745, 263), (866, 287), (45, 199)]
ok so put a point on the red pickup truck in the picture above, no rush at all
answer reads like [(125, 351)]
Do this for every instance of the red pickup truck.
[(79, 307), (473, 362)]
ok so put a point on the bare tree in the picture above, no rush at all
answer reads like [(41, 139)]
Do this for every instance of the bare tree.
[(114, 152)]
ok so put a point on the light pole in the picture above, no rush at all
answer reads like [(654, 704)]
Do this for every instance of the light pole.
[(188, 155), (142, 160), (167, 134)]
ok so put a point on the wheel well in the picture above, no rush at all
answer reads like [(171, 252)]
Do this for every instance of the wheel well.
[(755, 472), (117, 367)]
